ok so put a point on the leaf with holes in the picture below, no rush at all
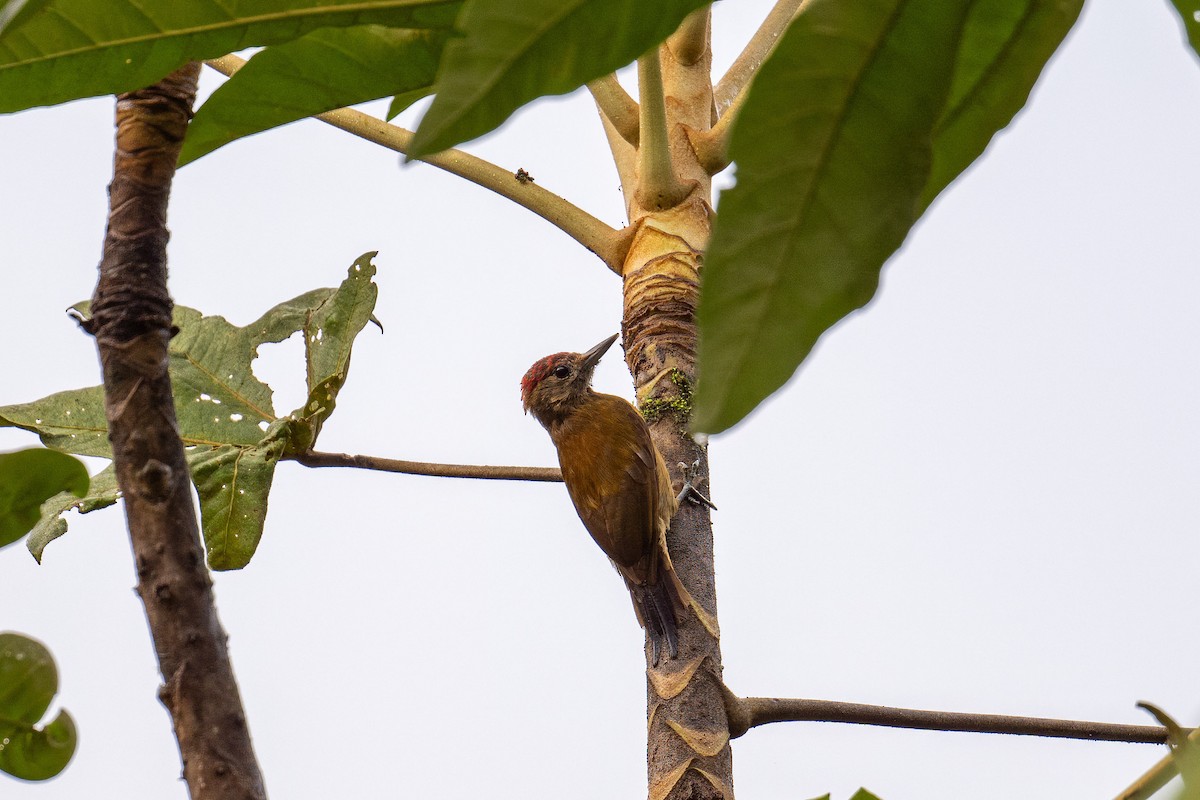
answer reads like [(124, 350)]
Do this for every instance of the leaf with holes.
[(70, 422), (233, 483), (512, 53), (80, 48), (225, 414), (833, 151), (29, 478), (102, 493), (329, 334), (324, 70), (28, 682)]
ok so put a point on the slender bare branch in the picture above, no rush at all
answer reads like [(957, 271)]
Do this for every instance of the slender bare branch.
[(319, 459), (690, 42), (749, 712), (744, 67), (606, 242), (659, 186), (617, 106)]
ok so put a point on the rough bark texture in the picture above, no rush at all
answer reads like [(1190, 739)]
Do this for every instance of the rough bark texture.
[(688, 736), (131, 319)]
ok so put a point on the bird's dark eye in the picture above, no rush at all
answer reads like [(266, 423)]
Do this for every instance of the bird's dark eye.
[(562, 372)]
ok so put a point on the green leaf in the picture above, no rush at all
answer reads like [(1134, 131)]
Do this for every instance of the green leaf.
[(324, 70), (28, 682), (82, 48), (833, 150), (863, 794), (1189, 13), (1004, 46), (217, 397), (102, 493), (29, 478), (233, 483), (70, 422), (513, 53), (15, 12), (405, 99), (329, 335), (225, 415)]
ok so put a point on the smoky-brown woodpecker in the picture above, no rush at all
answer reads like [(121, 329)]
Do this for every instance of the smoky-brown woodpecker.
[(616, 479)]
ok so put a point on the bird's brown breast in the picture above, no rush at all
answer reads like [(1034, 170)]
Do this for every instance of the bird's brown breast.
[(612, 472)]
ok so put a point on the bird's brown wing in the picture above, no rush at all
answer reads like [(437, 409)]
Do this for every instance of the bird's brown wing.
[(612, 477)]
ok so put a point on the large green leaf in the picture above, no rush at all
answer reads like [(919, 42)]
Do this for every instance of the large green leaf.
[(1189, 13), (28, 682), (80, 48), (1005, 45), (102, 493), (234, 481), (29, 478), (324, 70), (833, 150), (225, 415), (514, 52)]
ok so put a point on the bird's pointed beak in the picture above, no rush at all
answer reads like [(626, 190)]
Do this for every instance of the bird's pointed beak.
[(592, 357)]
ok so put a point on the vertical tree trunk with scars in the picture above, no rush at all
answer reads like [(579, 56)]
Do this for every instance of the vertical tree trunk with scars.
[(131, 320), (688, 733)]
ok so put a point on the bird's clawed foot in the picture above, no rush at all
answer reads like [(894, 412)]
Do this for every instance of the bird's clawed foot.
[(689, 490)]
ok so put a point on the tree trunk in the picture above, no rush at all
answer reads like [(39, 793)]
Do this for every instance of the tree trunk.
[(131, 320), (688, 734)]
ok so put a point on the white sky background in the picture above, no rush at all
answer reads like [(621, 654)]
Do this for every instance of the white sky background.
[(980, 494)]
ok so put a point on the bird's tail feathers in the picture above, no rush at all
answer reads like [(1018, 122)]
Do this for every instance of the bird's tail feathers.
[(656, 611)]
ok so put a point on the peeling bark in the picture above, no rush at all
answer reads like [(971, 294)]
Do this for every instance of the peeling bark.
[(131, 320)]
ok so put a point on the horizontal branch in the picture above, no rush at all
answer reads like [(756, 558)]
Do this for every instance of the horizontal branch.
[(603, 240), (748, 712), (318, 459)]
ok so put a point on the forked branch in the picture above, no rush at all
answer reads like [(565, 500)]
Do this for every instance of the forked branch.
[(606, 242)]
